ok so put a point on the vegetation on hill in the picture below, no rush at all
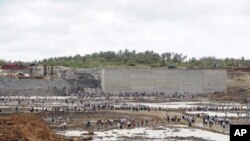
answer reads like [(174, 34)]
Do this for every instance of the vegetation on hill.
[(121, 58), (147, 58), (142, 59)]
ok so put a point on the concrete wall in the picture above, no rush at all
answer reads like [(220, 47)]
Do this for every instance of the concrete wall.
[(11, 86), (163, 80), (74, 81)]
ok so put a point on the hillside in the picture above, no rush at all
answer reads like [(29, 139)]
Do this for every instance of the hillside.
[(143, 59)]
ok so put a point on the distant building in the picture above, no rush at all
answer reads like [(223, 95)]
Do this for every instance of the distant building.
[(47, 70), (13, 66)]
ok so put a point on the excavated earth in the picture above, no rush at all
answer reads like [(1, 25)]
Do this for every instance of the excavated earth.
[(25, 127)]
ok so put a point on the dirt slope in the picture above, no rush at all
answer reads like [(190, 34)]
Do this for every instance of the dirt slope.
[(25, 127)]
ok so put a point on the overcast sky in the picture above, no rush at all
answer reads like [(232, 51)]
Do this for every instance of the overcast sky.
[(36, 29)]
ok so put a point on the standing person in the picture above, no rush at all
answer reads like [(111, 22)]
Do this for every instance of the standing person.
[(189, 123), (32, 109), (210, 123), (88, 125), (63, 126), (118, 125), (16, 109)]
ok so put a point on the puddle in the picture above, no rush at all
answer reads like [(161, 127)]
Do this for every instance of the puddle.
[(159, 133), (218, 114)]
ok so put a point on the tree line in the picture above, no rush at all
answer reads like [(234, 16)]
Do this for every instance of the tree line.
[(141, 59)]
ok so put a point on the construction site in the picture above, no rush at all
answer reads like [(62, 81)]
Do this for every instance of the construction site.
[(48, 80), (59, 81), (53, 103), (124, 70)]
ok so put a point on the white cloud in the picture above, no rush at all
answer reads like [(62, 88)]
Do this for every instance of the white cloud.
[(37, 29)]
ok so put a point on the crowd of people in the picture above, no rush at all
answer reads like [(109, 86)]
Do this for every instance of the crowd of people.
[(214, 120), (82, 102), (123, 101)]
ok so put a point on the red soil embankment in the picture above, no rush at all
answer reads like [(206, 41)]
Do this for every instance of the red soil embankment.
[(25, 127)]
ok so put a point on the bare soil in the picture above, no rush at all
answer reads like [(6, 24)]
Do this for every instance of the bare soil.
[(25, 127)]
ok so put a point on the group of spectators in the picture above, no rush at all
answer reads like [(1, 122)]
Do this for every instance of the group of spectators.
[(214, 120)]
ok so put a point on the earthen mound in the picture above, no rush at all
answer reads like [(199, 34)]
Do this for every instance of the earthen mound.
[(25, 127)]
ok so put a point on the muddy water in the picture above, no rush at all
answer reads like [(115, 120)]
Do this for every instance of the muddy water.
[(159, 133)]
